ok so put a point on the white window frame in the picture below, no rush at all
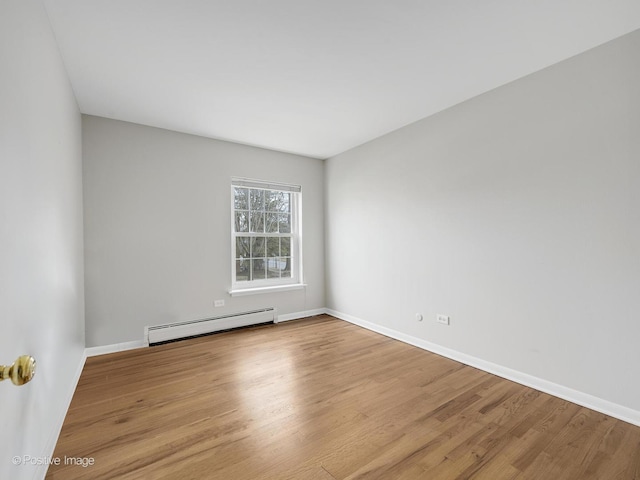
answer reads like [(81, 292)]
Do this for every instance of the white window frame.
[(269, 284)]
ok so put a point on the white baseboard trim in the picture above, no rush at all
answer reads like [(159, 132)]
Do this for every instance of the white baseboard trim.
[(584, 399), (41, 471), (298, 315), (116, 347)]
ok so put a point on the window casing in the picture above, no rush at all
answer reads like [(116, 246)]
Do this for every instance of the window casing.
[(266, 234)]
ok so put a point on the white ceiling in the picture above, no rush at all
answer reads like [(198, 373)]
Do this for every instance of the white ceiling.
[(314, 77)]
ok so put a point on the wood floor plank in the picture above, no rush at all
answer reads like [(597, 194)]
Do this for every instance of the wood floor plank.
[(324, 399)]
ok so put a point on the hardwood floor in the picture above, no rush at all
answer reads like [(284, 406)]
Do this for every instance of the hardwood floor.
[(324, 399)]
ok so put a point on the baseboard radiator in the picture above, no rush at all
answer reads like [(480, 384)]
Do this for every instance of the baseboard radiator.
[(176, 331)]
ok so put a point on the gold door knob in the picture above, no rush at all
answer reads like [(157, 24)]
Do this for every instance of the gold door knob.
[(21, 372)]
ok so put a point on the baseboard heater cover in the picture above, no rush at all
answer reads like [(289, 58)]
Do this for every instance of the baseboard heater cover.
[(175, 331)]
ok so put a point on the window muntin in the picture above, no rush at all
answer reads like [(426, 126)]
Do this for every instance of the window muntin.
[(266, 234)]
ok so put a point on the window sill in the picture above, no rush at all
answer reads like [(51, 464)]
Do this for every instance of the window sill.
[(272, 289)]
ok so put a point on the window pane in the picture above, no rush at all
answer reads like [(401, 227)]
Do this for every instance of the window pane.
[(273, 268), (271, 223), (258, 268), (271, 201), (277, 201), (242, 221), (273, 247), (286, 267), (242, 247), (242, 270), (285, 246), (241, 198), (285, 203), (285, 223), (257, 247), (257, 222), (257, 200)]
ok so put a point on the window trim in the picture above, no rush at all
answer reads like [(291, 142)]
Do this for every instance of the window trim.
[(271, 289), (271, 284)]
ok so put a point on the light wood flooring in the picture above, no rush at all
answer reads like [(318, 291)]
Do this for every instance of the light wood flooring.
[(323, 399)]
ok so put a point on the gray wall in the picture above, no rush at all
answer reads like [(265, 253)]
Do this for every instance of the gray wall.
[(41, 279), (517, 213), (157, 227)]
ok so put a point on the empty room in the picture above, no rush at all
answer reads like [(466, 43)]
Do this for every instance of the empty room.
[(330, 240)]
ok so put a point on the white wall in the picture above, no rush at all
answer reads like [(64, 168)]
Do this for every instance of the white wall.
[(41, 275), (157, 227), (517, 213)]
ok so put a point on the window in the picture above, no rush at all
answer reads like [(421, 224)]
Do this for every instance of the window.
[(265, 241)]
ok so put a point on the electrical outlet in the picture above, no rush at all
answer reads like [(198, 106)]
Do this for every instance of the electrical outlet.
[(443, 319), (218, 303)]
